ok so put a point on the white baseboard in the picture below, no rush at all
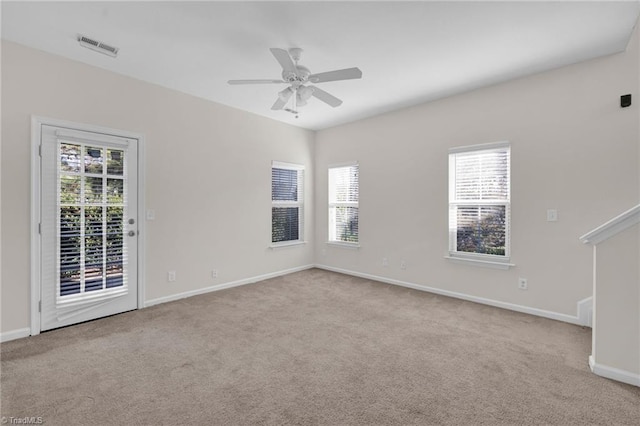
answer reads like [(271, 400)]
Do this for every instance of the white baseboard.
[(584, 306), (26, 332), (505, 305), (614, 373), (223, 286), (585, 312), (15, 334)]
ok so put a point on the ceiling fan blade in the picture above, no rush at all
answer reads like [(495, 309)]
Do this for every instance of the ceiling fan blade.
[(326, 97), (255, 81), (279, 104), (345, 74), (284, 59)]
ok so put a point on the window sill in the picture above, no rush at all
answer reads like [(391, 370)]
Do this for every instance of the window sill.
[(483, 263), (288, 244), (353, 246)]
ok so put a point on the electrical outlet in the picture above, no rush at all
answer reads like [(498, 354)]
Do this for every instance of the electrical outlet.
[(385, 262), (522, 283), (214, 273), (171, 276), (403, 264)]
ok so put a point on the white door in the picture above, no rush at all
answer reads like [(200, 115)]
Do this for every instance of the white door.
[(88, 226)]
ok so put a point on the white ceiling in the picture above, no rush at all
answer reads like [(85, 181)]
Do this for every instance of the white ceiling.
[(409, 52)]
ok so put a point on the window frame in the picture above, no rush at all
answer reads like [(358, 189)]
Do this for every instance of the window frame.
[(480, 259), (299, 204), (331, 230)]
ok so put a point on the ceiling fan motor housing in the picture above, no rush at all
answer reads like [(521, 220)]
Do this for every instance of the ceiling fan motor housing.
[(301, 75)]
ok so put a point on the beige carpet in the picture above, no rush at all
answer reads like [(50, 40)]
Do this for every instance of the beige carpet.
[(313, 347)]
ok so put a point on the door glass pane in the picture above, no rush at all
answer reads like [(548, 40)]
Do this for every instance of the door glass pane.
[(70, 250), (93, 189), (70, 158), (115, 246), (115, 189), (94, 248), (93, 160), (69, 189), (115, 162)]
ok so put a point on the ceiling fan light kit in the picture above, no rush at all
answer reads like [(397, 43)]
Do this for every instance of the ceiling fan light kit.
[(285, 94), (297, 76)]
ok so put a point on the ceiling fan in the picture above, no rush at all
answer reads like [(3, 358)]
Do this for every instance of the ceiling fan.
[(298, 78)]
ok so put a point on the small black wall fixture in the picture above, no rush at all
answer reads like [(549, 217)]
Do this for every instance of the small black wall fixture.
[(625, 100)]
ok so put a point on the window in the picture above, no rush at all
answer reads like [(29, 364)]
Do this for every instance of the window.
[(287, 198), (343, 204), (479, 201)]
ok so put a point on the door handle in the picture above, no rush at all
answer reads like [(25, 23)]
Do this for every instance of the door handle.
[(132, 233)]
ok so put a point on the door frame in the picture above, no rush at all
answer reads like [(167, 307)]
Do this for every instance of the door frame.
[(36, 207)]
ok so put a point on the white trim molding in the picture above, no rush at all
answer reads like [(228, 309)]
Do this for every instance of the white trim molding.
[(15, 334), (286, 244), (614, 373), (498, 304), (223, 286), (480, 262), (478, 147), (612, 227), (354, 246), (35, 255)]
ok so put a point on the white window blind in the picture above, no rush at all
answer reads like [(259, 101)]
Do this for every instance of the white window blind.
[(287, 198), (343, 204), (479, 200)]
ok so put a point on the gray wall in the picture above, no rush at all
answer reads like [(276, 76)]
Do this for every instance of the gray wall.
[(208, 174), (572, 149)]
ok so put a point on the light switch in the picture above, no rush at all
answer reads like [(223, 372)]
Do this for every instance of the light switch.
[(151, 214), (552, 215)]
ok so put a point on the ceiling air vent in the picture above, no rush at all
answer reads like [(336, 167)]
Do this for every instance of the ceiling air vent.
[(98, 46)]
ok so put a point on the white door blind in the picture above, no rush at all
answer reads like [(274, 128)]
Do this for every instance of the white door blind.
[(343, 204), (92, 257)]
